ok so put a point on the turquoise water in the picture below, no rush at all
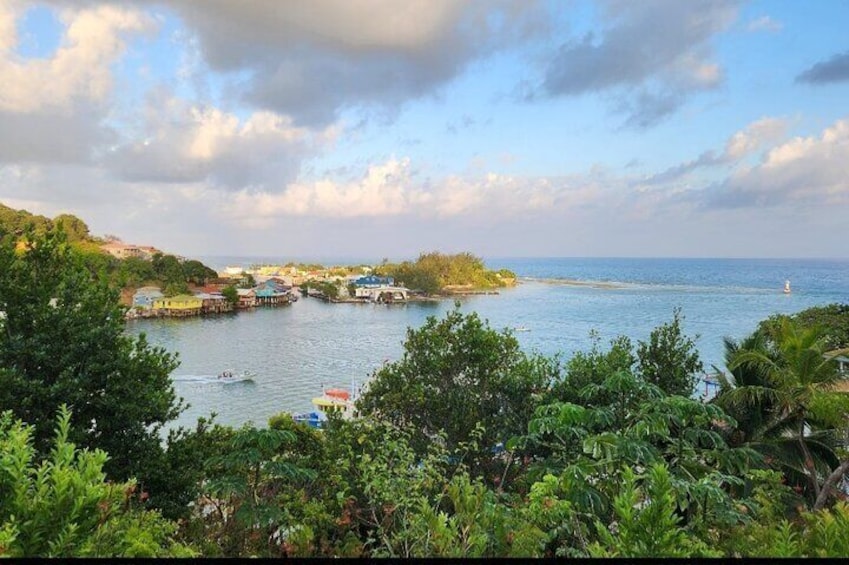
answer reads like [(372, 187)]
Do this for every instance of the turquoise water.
[(293, 351)]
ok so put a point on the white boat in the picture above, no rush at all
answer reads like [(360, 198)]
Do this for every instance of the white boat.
[(786, 287), (227, 377)]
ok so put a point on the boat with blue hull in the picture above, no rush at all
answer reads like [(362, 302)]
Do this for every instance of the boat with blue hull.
[(332, 400)]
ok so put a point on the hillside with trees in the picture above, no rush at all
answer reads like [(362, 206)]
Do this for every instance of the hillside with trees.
[(167, 271)]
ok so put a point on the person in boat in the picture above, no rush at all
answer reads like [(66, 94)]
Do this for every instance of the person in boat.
[(225, 375)]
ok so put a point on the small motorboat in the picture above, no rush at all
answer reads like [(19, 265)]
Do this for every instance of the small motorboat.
[(231, 377)]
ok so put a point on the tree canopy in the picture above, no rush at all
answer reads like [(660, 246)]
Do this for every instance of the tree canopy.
[(60, 504), (461, 382), (432, 272), (62, 341), (831, 319)]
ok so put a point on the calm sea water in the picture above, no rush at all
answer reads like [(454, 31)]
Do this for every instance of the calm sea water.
[(294, 350)]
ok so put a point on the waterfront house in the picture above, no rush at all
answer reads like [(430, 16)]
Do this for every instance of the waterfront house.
[(269, 295), (178, 306), (385, 293), (214, 303), (379, 289), (144, 297), (247, 298)]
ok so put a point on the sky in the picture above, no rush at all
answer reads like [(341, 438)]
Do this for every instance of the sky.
[(387, 128)]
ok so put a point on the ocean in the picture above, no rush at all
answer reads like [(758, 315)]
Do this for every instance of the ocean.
[(293, 351)]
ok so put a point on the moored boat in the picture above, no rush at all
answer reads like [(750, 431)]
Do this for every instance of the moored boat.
[(332, 400)]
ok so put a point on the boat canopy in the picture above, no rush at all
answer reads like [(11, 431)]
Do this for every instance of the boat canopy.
[(339, 393)]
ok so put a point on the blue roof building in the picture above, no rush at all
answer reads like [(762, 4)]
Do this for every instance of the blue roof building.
[(373, 281)]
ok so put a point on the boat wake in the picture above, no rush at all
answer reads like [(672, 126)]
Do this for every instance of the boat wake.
[(239, 378)]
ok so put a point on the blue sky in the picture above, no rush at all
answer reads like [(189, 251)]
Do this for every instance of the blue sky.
[(379, 128)]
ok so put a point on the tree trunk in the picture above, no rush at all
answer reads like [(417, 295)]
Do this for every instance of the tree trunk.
[(809, 461), (830, 483)]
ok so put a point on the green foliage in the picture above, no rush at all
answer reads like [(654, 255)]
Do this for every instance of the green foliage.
[(124, 273), (783, 384), (74, 228), (62, 341), (135, 272), (62, 506), (832, 320), (231, 294), (432, 272), (197, 273), (167, 268), (175, 481), (175, 289), (771, 534), (247, 281), (670, 359), (625, 423), (306, 267), (405, 504), (593, 366), (242, 507), (646, 521), (327, 288), (460, 378), (13, 223)]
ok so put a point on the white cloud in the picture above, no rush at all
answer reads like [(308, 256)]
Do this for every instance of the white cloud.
[(184, 142), (801, 171), (745, 142), (385, 189), (80, 68), (54, 109), (9, 11), (389, 189), (753, 137), (765, 23)]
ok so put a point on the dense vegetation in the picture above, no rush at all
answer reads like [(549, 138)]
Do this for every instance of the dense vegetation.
[(832, 319), (169, 272), (464, 447), (435, 272)]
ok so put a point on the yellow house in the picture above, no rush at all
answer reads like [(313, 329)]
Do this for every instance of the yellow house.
[(180, 305)]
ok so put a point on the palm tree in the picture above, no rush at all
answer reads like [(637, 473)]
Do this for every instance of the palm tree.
[(771, 391)]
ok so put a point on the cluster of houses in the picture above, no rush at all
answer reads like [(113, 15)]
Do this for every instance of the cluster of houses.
[(351, 288), (149, 301)]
